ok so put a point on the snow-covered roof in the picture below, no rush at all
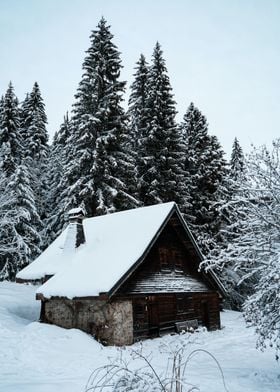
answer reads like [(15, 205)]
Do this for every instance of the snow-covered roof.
[(51, 261), (114, 243), (76, 210)]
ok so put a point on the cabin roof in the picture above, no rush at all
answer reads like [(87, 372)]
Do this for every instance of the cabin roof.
[(116, 244), (50, 262), (76, 210)]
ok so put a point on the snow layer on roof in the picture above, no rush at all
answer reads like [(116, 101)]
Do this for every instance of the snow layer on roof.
[(114, 243), (76, 210), (50, 262)]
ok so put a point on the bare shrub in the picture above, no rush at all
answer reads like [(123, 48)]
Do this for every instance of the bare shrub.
[(139, 375)]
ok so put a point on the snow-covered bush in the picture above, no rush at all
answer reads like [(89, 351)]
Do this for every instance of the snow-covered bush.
[(248, 262), (262, 308)]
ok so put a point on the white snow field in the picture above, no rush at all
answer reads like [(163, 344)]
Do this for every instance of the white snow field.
[(37, 357)]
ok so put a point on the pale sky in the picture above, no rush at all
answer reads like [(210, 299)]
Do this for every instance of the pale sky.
[(224, 55)]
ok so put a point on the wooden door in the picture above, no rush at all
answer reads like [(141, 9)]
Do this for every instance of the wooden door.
[(153, 316), (204, 313)]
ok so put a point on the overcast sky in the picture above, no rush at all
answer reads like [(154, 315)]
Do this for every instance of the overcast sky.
[(224, 55)]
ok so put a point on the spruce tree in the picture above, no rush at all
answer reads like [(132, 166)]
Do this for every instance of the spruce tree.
[(236, 161), (1, 105), (10, 137), (59, 154), (230, 257), (206, 169), (160, 163), (7, 216), (97, 176), (137, 101), (20, 230), (33, 125), (19, 238), (36, 149)]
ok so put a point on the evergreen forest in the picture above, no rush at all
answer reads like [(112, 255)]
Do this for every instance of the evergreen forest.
[(105, 158)]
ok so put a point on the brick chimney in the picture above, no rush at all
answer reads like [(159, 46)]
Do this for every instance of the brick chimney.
[(75, 235)]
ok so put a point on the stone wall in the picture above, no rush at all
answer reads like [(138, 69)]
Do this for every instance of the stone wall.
[(111, 323)]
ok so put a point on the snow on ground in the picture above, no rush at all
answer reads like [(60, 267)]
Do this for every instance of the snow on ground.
[(37, 357)]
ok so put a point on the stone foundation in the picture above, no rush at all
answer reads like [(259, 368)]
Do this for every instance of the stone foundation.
[(110, 323)]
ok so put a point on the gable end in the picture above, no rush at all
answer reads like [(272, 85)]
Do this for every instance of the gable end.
[(189, 243)]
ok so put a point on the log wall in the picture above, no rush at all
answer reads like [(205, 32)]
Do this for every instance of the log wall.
[(155, 315), (168, 288)]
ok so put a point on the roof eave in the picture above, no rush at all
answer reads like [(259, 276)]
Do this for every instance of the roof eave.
[(201, 256)]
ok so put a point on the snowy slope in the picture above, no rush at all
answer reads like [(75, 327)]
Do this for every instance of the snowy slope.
[(44, 358)]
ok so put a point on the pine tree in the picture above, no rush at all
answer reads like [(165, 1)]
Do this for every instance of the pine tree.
[(35, 140), (1, 142), (206, 170), (19, 237), (6, 218), (59, 154), (113, 174), (1, 105), (137, 102), (10, 138), (160, 164), (33, 126), (97, 176), (236, 161), (19, 231)]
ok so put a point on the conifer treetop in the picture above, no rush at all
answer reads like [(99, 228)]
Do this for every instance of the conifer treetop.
[(98, 162), (10, 138), (139, 86), (237, 161), (101, 68), (160, 165), (33, 125)]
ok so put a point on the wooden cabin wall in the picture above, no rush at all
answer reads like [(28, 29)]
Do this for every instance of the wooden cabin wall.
[(157, 314), (167, 287), (170, 266)]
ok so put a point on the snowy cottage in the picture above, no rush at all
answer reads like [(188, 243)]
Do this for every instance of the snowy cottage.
[(125, 276)]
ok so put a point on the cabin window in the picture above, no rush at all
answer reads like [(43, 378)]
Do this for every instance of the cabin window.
[(177, 257), (138, 316), (164, 259), (139, 311), (170, 259)]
